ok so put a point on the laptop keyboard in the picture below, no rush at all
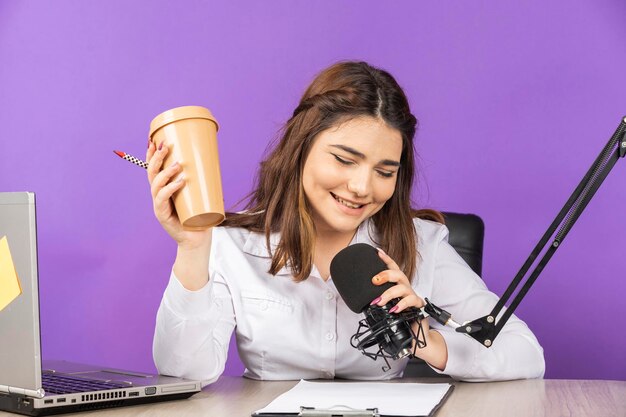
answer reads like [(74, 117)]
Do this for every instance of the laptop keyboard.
[(64, 384)]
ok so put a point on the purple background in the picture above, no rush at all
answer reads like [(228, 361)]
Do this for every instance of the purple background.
[(514, 101)]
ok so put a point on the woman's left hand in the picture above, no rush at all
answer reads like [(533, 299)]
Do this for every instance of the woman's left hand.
[(402, 289), (435, 352)]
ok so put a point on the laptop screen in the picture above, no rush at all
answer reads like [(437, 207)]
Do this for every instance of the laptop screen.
[(20, 353)]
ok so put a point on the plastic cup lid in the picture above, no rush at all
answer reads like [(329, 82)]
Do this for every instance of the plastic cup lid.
[(181, 113)]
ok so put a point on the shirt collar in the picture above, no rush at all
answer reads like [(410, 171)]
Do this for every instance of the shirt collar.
[(256, 245)]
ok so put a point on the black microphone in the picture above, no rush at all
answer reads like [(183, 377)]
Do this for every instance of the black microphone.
[(352, 270)]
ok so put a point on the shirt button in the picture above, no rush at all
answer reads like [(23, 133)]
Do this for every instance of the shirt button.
[(330, 336), (329, 296)]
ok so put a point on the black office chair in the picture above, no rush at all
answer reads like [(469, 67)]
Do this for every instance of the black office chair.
[(467, 232)]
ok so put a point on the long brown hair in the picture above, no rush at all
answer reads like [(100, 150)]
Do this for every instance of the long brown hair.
[(343, 91)]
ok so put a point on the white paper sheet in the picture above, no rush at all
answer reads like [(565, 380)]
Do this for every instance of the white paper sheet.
[(397, 399)]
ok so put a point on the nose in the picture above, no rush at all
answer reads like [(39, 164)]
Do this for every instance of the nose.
[(360, 183)]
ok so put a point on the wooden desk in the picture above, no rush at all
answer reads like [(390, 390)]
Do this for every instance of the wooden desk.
[(238, 397)]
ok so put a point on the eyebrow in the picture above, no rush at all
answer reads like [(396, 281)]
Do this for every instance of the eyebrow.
[(362, 156)]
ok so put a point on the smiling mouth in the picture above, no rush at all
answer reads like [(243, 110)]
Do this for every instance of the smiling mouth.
[(347, 203)]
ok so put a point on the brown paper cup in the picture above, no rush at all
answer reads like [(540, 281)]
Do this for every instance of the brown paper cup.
[(190, 133)]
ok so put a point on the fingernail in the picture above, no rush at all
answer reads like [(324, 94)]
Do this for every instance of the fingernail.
[(375, 301), (160, 146), (381, 251), (376, 278), (393, 309), (180, 179), (175, 164)]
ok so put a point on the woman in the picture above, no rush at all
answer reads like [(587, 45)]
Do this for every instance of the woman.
[(341, 173)]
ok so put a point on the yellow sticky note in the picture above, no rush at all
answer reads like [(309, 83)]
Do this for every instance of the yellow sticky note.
[(10, 286)]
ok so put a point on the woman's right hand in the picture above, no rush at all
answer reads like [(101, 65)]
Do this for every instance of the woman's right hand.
[(163, 184)]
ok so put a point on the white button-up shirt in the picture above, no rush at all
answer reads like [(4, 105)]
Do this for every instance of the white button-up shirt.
[(289, 330)]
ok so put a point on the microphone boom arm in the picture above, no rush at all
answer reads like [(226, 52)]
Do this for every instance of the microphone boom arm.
[(486, 329)]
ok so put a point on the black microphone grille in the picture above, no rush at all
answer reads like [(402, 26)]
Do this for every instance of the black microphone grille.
[(352, 270)]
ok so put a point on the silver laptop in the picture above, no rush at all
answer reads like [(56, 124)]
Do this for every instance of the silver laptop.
[(28, 386)]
